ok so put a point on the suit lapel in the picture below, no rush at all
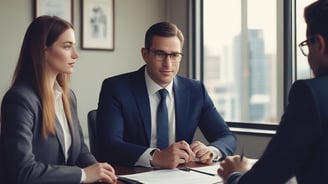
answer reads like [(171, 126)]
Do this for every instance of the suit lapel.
[(60, 135), (72, 152), (141, 97), (182, 102)]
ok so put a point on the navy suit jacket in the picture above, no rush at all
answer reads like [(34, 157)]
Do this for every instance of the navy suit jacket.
[(124, 122), (300, 146), (26, 157)]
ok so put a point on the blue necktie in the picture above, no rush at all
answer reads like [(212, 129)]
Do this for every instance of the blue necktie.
[(162, 121)]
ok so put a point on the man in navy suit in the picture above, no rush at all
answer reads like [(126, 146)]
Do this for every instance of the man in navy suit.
[(300, 146), (127, 110)]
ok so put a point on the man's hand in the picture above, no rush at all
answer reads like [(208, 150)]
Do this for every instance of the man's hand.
[(233, 164), (202, 153), (177, 153)]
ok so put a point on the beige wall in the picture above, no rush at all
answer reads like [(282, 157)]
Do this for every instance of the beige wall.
[(132, 18)]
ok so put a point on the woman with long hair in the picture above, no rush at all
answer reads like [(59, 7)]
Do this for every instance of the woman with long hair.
[(41, 137)]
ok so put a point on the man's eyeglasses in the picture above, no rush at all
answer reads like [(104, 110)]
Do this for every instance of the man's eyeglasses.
[(304, 46), (161, 56)]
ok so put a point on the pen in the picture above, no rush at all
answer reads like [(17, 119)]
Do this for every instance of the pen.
[(128, 180), (242, 154), (190, 169)]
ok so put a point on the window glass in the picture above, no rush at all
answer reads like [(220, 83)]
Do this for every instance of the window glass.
[(240, 59)]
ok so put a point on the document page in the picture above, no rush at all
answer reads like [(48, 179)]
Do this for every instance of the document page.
[(208, 169), (177, 176)]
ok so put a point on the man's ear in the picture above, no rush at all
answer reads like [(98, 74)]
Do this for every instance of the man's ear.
[(144, 53), (321, 43), (45, 51)]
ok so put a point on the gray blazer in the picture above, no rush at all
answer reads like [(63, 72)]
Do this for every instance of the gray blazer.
[(25, 155)]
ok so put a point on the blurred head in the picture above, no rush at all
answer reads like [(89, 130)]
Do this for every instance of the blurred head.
[(163, 52), (316, 16)]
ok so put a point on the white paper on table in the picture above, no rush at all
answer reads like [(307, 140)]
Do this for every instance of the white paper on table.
[(209, 169), (176, 176)]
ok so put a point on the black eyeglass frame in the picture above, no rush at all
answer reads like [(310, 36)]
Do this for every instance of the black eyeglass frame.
[(173, 56), (305, 43)]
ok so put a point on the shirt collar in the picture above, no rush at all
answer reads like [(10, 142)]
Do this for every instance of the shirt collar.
[(153, 87)]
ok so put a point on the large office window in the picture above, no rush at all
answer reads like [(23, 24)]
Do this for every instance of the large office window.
[(240, 58), (243, 50)]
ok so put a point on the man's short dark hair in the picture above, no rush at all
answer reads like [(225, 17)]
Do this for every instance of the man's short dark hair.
[(164, 29), (316, 18)]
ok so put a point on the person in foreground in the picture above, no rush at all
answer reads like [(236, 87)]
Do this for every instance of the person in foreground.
[(132, 129), (41, 138), (300, 145)]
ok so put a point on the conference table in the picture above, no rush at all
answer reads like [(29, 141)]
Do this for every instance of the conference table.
[(122, 170)]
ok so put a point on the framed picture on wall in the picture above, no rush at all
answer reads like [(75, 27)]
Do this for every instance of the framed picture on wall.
[(97, 25), (60, 8)]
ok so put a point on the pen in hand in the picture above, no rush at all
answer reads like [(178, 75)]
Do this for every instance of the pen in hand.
[(242, 154)]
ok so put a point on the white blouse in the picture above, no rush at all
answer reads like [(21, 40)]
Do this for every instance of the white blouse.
[(60, 114)]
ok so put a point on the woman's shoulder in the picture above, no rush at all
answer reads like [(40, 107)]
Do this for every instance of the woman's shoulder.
[(22, 88), (21, 92)]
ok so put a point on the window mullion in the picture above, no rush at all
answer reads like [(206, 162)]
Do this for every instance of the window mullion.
[(245, 61)]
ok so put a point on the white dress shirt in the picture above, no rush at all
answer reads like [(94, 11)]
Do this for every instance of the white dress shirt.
[(154, 98), (60, 114)]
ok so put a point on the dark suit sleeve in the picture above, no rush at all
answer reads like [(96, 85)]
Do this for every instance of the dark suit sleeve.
[(291, 147), (19, 112), (234, 178), (121, 132)]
